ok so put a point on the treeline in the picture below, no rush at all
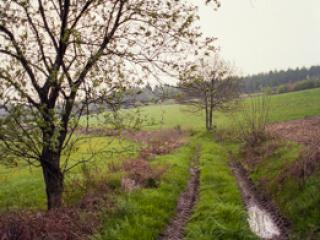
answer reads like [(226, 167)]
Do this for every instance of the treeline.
[(298, 86), (278, 81), (283, 81)]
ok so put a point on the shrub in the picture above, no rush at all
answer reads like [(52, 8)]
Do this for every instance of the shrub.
[(282, 89), (253, 121), (140, 173)]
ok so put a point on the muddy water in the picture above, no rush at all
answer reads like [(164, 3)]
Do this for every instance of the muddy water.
[(260, 220), (261, 223)]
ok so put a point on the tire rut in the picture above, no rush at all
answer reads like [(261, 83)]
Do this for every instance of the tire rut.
[(176, 228), (264, 219)]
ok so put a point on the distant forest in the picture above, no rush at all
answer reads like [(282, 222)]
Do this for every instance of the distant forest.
[(278, 81), (283, 81)]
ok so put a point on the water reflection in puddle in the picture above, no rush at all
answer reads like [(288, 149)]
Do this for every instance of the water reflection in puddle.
[(261, 223)]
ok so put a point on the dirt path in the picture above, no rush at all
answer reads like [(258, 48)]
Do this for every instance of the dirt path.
[(263, 218), (175, 230)]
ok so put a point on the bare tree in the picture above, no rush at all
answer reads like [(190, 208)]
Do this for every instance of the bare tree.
[(59, 55), (209, 86)]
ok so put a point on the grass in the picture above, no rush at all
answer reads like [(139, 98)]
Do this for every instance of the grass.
[(298, 203), (295, 105), (219, 212), (144, 213), (22, 187)]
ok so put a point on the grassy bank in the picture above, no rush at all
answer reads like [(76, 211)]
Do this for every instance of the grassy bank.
[(297, 198), (219, 212)]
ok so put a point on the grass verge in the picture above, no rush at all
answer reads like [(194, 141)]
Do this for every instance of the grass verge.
[(297, 201)]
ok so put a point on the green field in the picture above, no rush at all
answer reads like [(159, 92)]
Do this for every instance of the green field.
[(284, 107), (22, 187), (219, 212)]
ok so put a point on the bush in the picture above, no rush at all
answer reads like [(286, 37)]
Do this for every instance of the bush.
[(282, 89), (253, 121), (306, 84)]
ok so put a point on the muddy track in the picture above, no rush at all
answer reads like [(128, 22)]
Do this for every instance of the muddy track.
[(175, 229), (264, 219)]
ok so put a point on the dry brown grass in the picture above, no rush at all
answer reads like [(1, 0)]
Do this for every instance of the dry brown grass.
[(304, 131), (253, 154)]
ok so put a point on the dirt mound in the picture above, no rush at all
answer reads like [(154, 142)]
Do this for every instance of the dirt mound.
[(305, 131)]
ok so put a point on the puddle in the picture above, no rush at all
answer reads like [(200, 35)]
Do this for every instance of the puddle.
[(260, 220), (261, 223)]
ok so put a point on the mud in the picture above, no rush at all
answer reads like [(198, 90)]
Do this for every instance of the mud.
[(175, 229), (264, 219)]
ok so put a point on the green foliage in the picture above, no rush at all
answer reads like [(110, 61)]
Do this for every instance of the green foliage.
[(299, 86), (253, 119), (282, 89), (257, 82), (306, 84)]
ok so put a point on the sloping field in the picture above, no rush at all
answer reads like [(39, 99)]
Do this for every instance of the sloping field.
[(283, 107)]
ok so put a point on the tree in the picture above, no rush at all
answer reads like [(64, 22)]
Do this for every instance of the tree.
[(208, 85), (58, 56)]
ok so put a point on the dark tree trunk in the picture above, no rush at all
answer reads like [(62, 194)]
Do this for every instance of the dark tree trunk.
[(53, 178), (211, 97), (210, 118), (207, 115)]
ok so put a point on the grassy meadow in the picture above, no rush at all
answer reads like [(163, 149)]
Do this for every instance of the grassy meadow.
[(283, 107), (143, 214)]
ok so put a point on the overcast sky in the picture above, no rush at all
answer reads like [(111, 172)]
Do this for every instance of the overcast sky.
[(262, 35)]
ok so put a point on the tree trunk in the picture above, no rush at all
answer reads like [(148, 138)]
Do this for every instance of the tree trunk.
[(207, 117), (53, 178), (211, 104), (211, 118)]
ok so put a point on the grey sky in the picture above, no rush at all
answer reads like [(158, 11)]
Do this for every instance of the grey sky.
[(262, 35)]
